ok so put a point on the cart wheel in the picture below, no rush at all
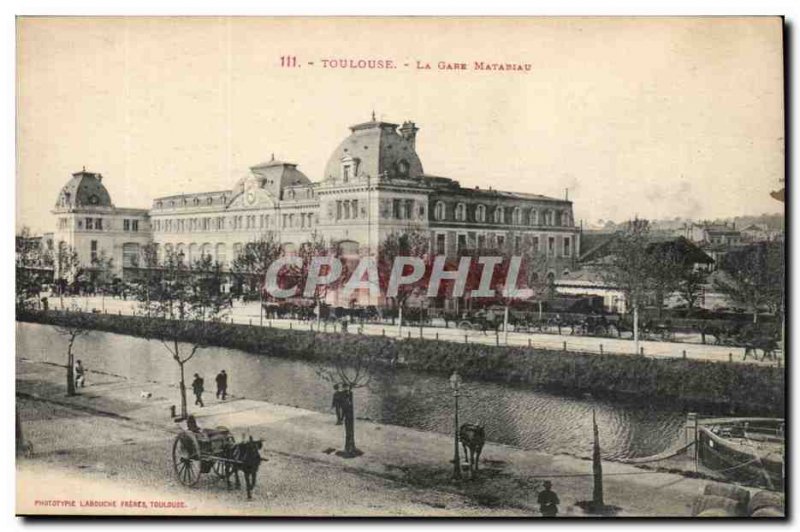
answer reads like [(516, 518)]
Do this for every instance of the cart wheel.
[(186, 460), (220, 468)]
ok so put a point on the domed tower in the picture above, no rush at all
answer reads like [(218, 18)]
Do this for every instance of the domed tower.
[(102, 238), (376, 149), (84, 190)]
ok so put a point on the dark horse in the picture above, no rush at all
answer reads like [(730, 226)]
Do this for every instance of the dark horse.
[(472, 438), (244, 457)]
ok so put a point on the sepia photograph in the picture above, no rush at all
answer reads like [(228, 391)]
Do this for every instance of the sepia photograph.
[(465, 267)]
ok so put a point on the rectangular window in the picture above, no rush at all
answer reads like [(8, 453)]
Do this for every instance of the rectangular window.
[(338, 210), (461, 243), (551, 246), (481, 241), (501, 241), (440, 244), (409, 209), (89, 223), (567, 247), (396, 209), (355, 208), (93, 249), (536, 244), (126, 225), (98, 224), (517, 243)]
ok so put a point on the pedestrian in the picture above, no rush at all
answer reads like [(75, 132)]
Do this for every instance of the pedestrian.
[(337, 404), (548, 500), (197, 388), (45, 304), (79, 374), (222, 385)]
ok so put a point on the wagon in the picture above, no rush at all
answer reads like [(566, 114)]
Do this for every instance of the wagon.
[(204, 451)]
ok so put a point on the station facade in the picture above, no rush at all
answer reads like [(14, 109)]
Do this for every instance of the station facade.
[(373, 185)]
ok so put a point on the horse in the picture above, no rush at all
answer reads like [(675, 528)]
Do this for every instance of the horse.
[(472, 439), (245, 457)]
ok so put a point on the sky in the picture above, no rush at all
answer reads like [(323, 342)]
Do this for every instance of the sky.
[(656, 118)]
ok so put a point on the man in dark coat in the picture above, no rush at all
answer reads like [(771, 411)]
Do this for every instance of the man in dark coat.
[(197, 388), (337, 404), (222, 385), (548, 501)]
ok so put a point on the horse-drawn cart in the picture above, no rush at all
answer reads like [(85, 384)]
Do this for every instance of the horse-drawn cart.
[(195, 453)]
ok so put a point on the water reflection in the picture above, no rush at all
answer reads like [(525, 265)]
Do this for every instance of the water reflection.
[(514, 415)]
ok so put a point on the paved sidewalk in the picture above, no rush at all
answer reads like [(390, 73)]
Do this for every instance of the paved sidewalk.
[(249, 313), (402, 472)]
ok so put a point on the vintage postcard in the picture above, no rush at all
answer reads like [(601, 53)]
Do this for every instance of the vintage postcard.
[(461, 267)]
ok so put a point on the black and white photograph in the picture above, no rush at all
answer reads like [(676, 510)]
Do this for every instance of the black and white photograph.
[(465, 267)]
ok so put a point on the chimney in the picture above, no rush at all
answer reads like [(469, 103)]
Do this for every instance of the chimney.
[(409, 132)]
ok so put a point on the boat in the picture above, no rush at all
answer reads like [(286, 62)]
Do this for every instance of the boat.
[(747, 450)]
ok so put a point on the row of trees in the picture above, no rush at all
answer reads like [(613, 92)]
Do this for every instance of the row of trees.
[(645, 269)]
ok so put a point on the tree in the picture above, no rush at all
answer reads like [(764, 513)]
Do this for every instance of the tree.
[(629, 267), (66, 267), (316, 247), (413, 243), (103, 274), (172, 300), (208, 298), (251, 265), (75, 325), (690, 286), (666, 270), (754, 277), (354, 368), (30, 268), (534, 273)]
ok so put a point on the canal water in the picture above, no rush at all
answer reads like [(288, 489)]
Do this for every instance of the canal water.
[(521, 416)]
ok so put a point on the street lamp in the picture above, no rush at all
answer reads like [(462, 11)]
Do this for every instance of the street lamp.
[(455, 384)]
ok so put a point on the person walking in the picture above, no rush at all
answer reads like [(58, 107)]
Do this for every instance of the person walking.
[(337, 404), (548, 500), (197, 388), (222, 385), (79, 374)]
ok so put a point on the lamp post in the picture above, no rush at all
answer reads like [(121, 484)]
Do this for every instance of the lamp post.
[(455, 383)]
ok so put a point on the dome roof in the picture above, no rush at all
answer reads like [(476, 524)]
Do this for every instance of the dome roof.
[(274, 176), (85, 189), (376, 148)]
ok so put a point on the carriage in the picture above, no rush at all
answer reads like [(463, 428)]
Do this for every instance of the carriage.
[(202, 451)]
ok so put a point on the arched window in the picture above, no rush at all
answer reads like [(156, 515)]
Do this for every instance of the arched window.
[(206, 251), (516, 216), (221, 253), (534, 217), (439, 211), (237, 250), (499, 215), (461, 212), (180, 251), (480, 213), (193, 248)]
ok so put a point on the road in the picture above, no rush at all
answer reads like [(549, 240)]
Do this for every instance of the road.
[(112, 443), (249, 313)]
